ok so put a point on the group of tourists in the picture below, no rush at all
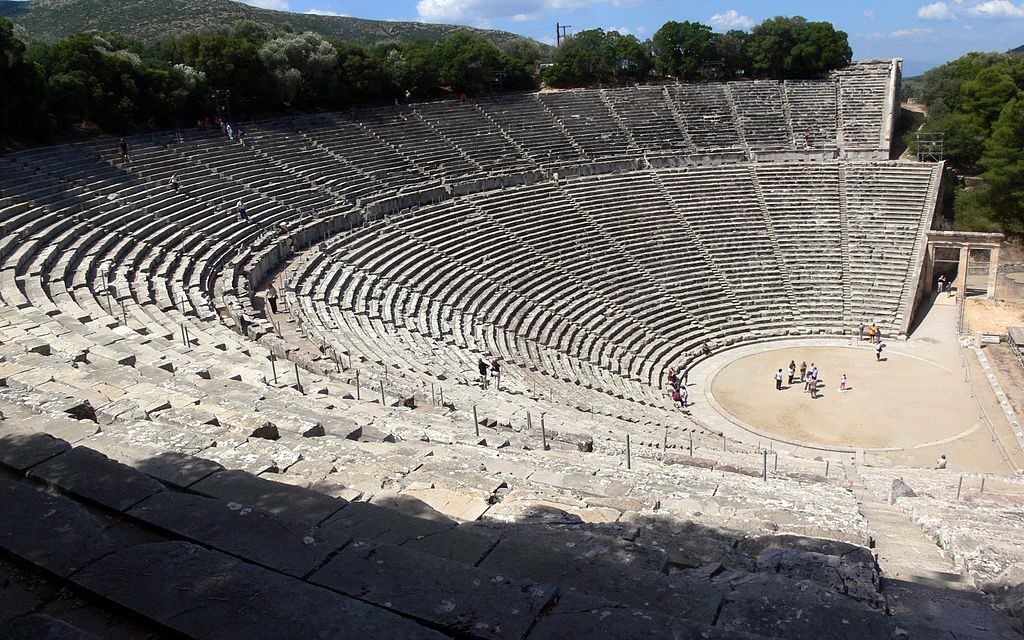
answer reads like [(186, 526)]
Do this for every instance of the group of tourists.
[(494, 369), (677, 381), (874, 334), (944, 286), (808, 377)]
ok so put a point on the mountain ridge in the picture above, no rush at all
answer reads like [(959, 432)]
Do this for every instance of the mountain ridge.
[(152, 20)]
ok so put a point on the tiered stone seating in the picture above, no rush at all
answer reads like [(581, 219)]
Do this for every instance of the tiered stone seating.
[(877, 283), (369, 154), (812, 111), (710, 123), (707, 553), (863, 92), (589, 122), (761, 114), (712, 254), (414, 139), (803, 205), (721, 207), (130, 329), (976, 518), (475, 135), (533, 128), (648, 114)]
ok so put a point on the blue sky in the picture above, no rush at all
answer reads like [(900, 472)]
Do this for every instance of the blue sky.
[(922, 32)]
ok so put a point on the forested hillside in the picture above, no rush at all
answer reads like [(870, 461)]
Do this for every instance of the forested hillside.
[(153, 20), (114, 83), (977, 101)]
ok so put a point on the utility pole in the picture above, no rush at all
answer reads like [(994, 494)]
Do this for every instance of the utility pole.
[(561, 32)]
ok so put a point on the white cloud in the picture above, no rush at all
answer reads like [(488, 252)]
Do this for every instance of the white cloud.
[(996, 9), (993, 9), (906, 33), (936, 11), (731, 19), (277, 5), (869, 13), (325, 12), (484, 11)]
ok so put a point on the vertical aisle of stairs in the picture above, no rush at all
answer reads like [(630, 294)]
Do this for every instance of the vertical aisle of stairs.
[(787, 276), (844, 248), (740, 129), (678, 116), (921, 586)]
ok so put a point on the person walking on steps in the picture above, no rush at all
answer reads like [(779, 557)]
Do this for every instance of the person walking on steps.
[(243, 215), (173, 181), (482, 365), (123, 148), (272, 297)]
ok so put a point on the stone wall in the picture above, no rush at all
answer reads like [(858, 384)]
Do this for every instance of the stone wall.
[(1010, 282)]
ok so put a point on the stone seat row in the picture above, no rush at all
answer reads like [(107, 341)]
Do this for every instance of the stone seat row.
[(245, 530)]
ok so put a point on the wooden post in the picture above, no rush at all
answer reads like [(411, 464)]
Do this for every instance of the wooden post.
[(544, 436), (764, 465), (826, 468), (382, 402), (357, 385), (629, 464), (433, 398), (273, 366), (529, 422), (298, 381), (476, 422), (664, 446), (691, 444), (959, 487)]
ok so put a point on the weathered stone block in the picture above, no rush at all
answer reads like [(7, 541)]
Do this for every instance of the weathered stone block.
[(207, 594), (92, 476), (459, 598)]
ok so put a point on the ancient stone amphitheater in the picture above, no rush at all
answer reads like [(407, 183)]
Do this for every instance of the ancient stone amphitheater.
[(176, 460)]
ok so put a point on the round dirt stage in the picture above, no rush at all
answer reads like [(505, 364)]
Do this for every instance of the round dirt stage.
[(902, 402)]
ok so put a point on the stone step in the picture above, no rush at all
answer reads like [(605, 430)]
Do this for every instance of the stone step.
[(936, 611)]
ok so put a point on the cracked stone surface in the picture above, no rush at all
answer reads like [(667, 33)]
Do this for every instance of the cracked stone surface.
[(195, 592), (457, 597)]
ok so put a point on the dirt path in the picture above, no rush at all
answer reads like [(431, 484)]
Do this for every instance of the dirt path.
[(993, 316)]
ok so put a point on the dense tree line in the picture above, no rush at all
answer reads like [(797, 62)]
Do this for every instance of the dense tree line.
[(120, 85), (977, 101), (781, 47)]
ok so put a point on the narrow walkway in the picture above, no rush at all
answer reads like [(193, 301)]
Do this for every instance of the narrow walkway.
[(920, 583)]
